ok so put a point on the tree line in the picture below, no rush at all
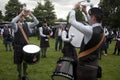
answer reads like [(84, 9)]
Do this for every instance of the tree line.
[(111, 9), (41, 11)]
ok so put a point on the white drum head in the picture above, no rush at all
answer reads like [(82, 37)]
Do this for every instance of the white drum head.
[(31, 48), (77, 36)]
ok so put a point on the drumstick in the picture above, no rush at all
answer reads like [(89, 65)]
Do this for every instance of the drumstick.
[(86, 4)]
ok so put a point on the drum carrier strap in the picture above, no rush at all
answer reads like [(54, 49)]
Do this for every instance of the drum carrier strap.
[(86, 52), (23, 32)]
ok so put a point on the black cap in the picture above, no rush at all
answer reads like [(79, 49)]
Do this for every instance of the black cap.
[(95, 11)]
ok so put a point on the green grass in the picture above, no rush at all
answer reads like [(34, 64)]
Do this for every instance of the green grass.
[(45, 67)]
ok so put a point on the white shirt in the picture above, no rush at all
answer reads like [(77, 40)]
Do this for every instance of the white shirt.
[(87, 30), (59, 32), (30, 24), (106, 31), (64, 34), (41, 32)]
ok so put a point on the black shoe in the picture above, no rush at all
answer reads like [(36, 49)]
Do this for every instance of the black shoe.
[(6, 49), (55, 49), (10, 50), (25, 78), (118, 54), (45, 56), (19, 77), (42, 56), (114, 53)]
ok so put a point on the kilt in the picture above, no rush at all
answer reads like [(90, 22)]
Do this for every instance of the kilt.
[(69, 51), (18, 54), (5, 41), (44, 43)]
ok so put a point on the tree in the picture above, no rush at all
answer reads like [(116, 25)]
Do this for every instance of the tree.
[(1, 16), (111, 9), (45, 12), (39, 13), (50, 14), (13, 8), (79, 16)]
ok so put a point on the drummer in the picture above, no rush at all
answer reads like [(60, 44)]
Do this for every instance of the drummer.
[(88, 65), (19, 41), (68, 49)]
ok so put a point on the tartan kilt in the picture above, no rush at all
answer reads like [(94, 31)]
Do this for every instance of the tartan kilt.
[(44, 43), (18, 54)]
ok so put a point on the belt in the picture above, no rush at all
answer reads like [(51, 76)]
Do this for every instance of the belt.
[(91, 66)]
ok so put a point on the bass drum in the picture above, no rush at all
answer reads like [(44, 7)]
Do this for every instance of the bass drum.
[(77, 37), (64, 69), (31, 53)]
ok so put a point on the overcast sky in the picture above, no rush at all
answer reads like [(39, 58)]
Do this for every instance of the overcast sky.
[(62, 7)]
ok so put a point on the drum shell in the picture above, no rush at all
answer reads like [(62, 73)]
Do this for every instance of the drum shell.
[(31, 58), (64, 68)]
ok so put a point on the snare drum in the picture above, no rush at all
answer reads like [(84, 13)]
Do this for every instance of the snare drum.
[(31, 53), (64, 69)]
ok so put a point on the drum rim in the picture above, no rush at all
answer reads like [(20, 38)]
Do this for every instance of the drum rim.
[(34, 52), (60, 74), (68, 59)]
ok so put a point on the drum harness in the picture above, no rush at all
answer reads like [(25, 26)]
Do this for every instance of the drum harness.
[(87, 52), (23, 32)]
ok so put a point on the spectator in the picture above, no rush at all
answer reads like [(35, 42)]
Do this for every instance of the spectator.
[(58, 37), (7, 37)]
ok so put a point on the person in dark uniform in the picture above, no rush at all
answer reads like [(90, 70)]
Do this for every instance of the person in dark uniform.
[(68, 49), (45, 33), (117, 45), (6, 36), (87, 66), (20, 42)]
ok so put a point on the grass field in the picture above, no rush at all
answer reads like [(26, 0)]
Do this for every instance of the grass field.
[(45, 67)]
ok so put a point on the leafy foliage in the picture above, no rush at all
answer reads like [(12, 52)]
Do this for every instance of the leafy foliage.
[(1, 16), (45, 12), (13, 8), (79, 16), (111, 10)]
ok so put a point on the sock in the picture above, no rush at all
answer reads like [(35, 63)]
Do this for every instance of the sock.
[(19, 69), (25, 69)]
